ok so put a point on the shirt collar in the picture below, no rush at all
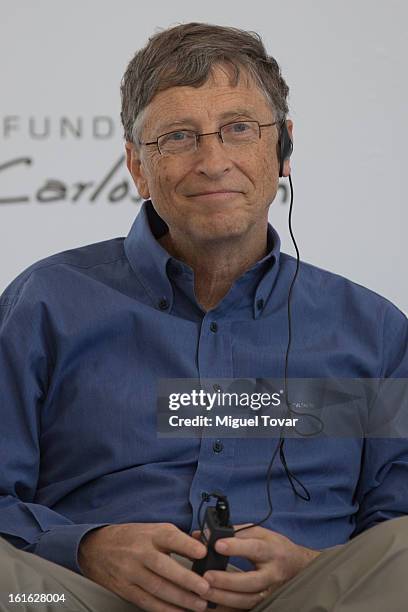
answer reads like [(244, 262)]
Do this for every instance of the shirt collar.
[(149, 261)]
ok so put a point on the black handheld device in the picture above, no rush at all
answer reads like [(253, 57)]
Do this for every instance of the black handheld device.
[(216, 525)]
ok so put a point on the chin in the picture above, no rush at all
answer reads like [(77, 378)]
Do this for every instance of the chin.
[(220, 229)]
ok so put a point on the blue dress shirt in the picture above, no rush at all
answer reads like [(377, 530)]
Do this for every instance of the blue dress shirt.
[(86, 334)]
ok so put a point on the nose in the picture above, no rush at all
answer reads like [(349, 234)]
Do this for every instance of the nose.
[(212, 157)]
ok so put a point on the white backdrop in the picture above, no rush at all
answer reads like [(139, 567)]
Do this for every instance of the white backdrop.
[(63, 182)]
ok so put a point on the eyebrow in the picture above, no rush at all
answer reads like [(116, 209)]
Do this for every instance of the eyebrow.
[(239, 112)]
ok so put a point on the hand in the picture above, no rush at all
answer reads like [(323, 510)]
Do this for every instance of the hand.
[(133, 561), (276, 559)]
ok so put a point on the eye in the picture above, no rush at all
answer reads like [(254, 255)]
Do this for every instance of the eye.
[(239, 128), (177, 136)]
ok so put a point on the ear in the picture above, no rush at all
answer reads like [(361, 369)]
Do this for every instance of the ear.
[(286, 164), (135, 167)]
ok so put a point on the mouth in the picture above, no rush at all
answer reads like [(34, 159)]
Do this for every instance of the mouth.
[(217, 196)]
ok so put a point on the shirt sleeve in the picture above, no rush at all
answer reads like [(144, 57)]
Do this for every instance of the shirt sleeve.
[(26, 362), (383, 487)]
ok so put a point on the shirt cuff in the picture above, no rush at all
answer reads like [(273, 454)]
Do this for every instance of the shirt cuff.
[(60, 545)]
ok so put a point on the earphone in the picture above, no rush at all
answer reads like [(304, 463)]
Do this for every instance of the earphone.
[(285, 146)]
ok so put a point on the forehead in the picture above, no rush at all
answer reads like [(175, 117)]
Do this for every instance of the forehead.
[(213, 100)]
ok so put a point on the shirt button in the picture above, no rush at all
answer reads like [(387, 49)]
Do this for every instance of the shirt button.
[(218, 446), (163, 304), (260, 304), (217, 387), (205, 496), (176, 269), (214, 327)]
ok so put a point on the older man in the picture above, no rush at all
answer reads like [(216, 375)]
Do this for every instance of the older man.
[(198, 289)]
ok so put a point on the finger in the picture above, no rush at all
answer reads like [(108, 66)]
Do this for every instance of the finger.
[(166, 567), (172, 539), (241, 582), (235, 600), (166, 591), (254, 532), (254, 549), (248, 526)]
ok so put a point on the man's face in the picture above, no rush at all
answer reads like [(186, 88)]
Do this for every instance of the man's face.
[(175, 182)]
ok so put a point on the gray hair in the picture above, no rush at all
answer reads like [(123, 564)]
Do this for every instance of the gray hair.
[(185, 55)]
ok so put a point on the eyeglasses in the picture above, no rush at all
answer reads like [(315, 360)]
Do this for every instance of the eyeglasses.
[(186, 141)]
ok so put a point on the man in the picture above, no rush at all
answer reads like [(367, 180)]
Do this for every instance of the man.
[(199, 288)]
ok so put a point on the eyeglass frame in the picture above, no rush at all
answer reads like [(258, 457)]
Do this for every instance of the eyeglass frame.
[(198, 136)]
